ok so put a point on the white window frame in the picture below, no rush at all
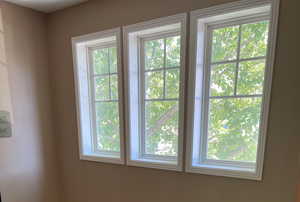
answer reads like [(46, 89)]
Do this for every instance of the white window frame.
[(198, 75), (132, 62), (84, 84), (143, 39)]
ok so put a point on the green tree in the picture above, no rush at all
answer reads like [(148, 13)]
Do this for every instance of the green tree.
[(233, 122), (161, 114), (106, 97)]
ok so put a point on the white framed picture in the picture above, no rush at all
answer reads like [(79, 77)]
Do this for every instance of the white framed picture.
[(5, 124)]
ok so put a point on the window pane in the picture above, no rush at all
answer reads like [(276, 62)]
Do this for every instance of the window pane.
[(154, 54), (107, 124), (225, 43), (251, 77), (222, 79), (102, 88), (172, 83), (114, 87), (100, 58), (161, 122), (173, 51), (233, 129), (254, 39), (113, 59), (154, 84)]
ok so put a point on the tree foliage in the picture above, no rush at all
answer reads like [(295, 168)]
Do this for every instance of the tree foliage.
[(161, 114), (233, 122), (106, 97)]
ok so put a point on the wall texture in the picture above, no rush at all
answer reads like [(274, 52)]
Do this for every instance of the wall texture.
[(89, 181), (28, 163)]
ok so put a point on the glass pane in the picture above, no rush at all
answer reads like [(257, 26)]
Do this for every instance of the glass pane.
[(225, 43), (113, 59), (222, 79), (251, 77), (233, 129), (107, 124), (154, 54), (102, 88), (114, 87), (161, 127), (100, 58), (154, 84), (173, 51), (254, 39), (172, 83)]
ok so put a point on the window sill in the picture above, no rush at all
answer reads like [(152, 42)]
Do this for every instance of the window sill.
[(104, 158), (225, 171), (156, 164)]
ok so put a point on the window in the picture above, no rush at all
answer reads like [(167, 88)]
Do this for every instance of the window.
[(104, 83), (98, 79), (155, 70), (232, 50), (231, 78), (160, 72)]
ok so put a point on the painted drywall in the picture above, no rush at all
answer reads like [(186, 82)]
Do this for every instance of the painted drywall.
[(91, 181), (28, 163)]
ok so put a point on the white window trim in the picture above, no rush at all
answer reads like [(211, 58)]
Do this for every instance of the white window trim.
[(133, 158), (81, 46), (196, 77)]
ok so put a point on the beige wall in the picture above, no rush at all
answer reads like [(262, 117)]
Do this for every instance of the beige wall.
[(90, 181), (28, 163)]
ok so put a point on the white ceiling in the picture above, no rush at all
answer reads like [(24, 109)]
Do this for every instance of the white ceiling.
[(47, 6)]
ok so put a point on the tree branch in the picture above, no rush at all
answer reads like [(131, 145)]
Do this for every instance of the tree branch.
[(162, 120)]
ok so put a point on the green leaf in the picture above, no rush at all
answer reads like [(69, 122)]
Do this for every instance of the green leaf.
[(154, 54), (254, 39), (251, 77), (233, 129), (225, 43), (101, 61), (222, 79), (107, 119)]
